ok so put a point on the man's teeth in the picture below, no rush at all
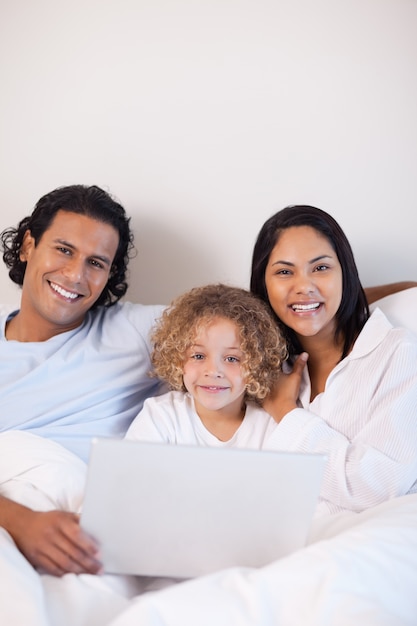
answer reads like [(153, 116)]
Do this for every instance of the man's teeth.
[(66, 294), (305, 307)]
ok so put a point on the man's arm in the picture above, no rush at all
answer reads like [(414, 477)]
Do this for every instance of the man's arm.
[(51, 541), (380, 291)]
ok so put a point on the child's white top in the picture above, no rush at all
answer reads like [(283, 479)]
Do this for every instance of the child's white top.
[(172, 418)]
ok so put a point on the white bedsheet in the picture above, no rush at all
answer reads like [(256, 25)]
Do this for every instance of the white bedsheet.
[(359, 569)]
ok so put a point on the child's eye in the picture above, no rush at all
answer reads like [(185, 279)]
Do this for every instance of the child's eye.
[(197, 356), (232, 359)]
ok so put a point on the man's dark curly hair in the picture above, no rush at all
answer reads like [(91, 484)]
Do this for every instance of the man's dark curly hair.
[(90, 201)]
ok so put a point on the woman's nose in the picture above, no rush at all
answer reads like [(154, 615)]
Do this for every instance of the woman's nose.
[(305, 284)]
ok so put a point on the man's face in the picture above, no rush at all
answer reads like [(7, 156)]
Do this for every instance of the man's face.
[(66, 272)]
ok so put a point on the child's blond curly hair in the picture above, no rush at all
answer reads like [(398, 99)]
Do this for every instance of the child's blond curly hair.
[(262, 343)]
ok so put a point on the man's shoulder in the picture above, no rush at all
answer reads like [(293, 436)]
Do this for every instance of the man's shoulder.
[(128, 310), (6, 309), (141, 317)]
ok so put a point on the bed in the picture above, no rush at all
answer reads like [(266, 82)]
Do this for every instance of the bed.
[(356, 569)]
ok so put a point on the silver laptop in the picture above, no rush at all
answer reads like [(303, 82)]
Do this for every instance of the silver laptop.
[(183, 511)]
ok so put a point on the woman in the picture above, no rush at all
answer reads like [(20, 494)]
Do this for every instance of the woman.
[(352, 392)]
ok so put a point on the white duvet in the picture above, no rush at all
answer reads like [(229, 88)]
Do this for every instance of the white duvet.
[(358, 569)]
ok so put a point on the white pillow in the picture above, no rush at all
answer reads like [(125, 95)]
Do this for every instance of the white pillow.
[(400, 308)]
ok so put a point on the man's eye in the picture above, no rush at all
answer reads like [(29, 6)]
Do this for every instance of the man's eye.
[(96, 264), (64, 250)]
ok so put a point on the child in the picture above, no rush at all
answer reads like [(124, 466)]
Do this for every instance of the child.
[(220, 351)]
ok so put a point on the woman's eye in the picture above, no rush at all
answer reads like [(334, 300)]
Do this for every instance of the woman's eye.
[(321, 268)]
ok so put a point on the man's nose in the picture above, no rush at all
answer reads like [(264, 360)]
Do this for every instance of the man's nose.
[(74, 270)]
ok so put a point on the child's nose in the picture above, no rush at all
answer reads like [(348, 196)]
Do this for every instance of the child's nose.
[(214, 369)]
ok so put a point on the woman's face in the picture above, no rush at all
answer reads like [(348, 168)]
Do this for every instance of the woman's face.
[(304, 281)]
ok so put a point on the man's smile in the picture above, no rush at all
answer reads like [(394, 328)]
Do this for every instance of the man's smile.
[(69, 295)]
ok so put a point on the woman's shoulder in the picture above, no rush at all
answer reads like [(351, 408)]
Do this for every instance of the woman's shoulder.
[(382, 342)]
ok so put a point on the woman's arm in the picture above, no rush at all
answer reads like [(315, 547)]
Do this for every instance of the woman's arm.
[(365, 422)]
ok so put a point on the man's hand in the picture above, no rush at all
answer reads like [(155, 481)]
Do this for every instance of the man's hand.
[(52, 541), (283, 398)]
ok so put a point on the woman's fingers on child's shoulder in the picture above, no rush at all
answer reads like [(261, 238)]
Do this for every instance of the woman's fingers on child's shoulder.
[(300, 362)]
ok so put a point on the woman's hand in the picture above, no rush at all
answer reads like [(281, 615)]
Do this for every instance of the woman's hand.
[(284, 396)]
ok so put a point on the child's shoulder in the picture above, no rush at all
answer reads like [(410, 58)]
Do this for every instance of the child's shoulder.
[(255, 412)]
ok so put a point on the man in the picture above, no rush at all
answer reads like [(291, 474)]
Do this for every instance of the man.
[(74, 361)]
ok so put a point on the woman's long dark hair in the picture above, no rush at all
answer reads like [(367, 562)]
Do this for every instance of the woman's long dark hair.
[(353, 310)]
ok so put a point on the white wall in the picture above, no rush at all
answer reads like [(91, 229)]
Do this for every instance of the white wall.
[(204, 117)]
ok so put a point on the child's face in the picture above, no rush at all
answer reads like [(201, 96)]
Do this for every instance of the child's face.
[(212, 370)]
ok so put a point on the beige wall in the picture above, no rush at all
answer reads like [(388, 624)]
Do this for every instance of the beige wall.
[(204, 117)]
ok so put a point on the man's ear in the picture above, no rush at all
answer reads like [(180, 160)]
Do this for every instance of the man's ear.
[(27, 246)]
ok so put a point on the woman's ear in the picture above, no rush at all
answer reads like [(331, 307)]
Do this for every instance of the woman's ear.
[(27, 246)]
